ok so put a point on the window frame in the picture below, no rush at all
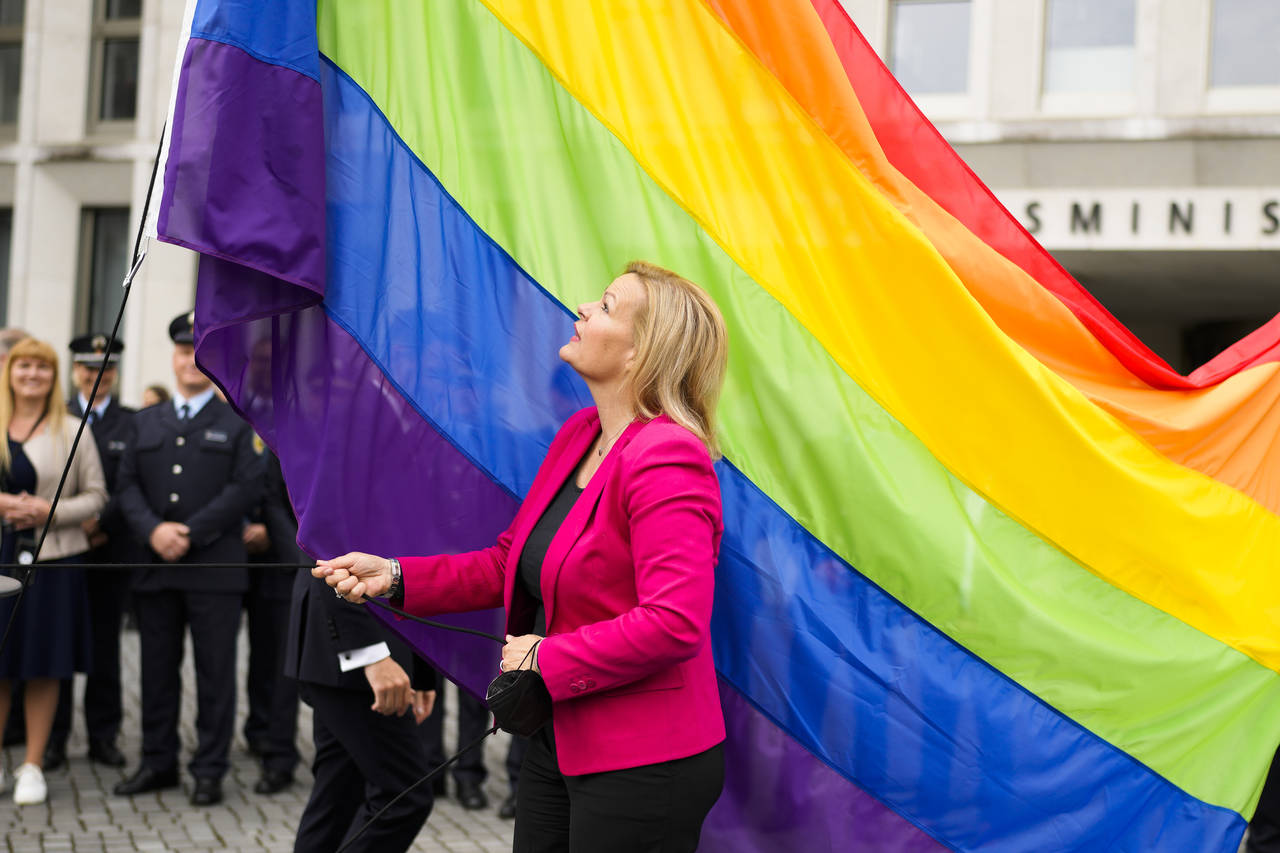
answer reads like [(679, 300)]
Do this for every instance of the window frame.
[(84, 294), (1218, 100), (14, 34), (954, 105), (104, 30)]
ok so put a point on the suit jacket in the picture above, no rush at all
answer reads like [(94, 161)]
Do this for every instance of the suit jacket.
[(113, 433), (627, 587), (203, 473), (83, 496), (276, 513), (322, 626)]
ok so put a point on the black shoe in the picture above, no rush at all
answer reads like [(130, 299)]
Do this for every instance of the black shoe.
[(273, 781), (54, 757), (470, 797), (439, 788), (507, 811), (147, 779), (101, 752), (208, 792)]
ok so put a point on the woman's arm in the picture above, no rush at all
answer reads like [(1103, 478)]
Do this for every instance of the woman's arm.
[(445, 583), (672, 502)]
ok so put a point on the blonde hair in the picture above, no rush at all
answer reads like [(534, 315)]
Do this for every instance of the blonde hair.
[(55, 406), (681, 348)]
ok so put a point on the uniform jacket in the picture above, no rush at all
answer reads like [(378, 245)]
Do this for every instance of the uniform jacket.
[(83, 496), (113, 433), (627, 586), (203, 473)]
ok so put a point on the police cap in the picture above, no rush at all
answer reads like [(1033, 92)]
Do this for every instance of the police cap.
[(90, 349), (182, 329)]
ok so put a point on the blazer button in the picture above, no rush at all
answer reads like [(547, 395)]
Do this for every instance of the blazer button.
[(177, 469), (173, 497), (180, 441), (591, 682), (574, 688)]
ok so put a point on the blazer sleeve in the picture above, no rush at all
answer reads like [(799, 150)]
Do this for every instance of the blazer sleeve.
[(671, 498), (456, 583), (88, 489)]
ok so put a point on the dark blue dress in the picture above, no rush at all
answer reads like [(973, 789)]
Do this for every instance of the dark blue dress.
[(50, 638)]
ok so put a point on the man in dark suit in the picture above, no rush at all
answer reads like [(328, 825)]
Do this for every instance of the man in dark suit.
[(110, 542), (356, 676), (185, 488)]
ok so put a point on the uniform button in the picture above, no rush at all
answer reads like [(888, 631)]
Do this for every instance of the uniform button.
[(173, 497), (177, 469), (180, 441)]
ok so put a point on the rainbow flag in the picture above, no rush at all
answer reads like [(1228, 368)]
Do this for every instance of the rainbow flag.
[(994, 576)]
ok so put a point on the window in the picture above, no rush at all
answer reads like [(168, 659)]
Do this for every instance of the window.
[(105, 246), (6, 237), (116, 28), (1089, 46), (1245, 35), (929, 45), (11, 12)]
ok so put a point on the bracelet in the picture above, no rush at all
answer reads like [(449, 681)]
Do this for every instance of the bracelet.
[(394, 589)]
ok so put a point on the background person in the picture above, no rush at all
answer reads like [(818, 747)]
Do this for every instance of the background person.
[(111, 542), (369, 695), (186, 485), (154, 394), (612, 556), (271, 726), (50, 637)]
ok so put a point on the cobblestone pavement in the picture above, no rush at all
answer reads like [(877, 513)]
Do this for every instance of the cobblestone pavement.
[(83, 815)]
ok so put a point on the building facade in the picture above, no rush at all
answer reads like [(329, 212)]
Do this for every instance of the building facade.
[(1138, 140), (84, 90)]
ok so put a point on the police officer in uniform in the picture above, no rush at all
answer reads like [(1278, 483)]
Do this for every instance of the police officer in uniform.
[(110, 542), (185, 488)]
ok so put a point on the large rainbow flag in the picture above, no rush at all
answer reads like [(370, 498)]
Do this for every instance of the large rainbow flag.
[(994, 577)]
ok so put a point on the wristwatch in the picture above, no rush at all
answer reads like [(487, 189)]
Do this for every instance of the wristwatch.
[(393, 591)]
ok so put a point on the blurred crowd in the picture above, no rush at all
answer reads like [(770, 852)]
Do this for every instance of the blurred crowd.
[(174, 520)]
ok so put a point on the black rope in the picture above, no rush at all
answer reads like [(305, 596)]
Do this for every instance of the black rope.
[(134, 265), (425, 778), (129, 567)]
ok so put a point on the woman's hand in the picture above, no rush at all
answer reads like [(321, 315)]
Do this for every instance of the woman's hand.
[(355, 575), (27, 511), (515, 654)]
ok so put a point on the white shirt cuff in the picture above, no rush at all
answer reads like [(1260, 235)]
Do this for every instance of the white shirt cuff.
[(357, 658)]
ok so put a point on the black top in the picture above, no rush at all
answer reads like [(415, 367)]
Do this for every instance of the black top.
[(535, 548), (21, 477)]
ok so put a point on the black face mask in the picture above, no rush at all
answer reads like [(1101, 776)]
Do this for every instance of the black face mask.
[(519, 701)]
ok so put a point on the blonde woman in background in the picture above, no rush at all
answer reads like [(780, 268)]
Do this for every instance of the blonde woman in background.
[(50, 635)]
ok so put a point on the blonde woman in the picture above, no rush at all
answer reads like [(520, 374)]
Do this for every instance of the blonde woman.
[(49, 640), (607, 574)]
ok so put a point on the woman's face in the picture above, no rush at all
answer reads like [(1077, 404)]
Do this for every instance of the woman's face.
[(604, 340), (31, 378)]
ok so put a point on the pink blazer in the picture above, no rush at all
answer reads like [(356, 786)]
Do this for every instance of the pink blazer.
[(627, 585)]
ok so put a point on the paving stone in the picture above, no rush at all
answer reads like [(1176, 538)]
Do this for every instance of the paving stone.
[(83, 815)]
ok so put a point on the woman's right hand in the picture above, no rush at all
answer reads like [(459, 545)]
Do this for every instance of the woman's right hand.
[(355, 575)]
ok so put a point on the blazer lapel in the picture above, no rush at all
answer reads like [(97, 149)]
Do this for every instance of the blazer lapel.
[(575, 524), (540, 495)]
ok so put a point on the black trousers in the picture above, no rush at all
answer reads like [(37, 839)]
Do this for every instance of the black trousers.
[(657, 808), (1264, 829), (515, 758), (214, 618), (363, 760), (102, 702), (473, 721), (272, 724)]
